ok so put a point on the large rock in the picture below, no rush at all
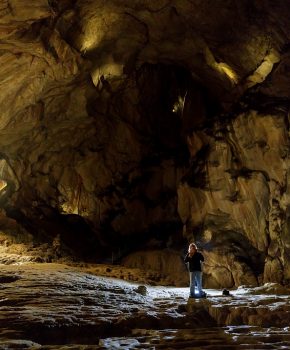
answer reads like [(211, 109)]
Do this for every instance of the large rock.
[(239, 200)]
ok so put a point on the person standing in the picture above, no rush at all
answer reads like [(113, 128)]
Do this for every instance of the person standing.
[(194, 260)]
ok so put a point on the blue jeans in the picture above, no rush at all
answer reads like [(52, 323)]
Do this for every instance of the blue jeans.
[(195, 279)]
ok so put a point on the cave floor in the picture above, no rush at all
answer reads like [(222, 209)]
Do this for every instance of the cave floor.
[(56, 306)]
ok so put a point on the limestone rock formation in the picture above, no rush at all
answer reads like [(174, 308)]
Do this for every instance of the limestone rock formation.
[(140, 126), (56, 306)]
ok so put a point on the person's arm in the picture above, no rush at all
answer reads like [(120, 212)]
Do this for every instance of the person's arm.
[(186, 259), (201, 257)]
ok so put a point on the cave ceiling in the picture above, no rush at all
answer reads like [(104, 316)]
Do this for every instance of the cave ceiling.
[(129, 123)]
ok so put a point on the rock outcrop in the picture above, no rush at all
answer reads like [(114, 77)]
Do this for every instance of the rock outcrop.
[(131, 127)]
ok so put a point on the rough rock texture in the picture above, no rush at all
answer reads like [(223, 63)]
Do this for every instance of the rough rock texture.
[(139, 126), (53, 306), (240, 206)]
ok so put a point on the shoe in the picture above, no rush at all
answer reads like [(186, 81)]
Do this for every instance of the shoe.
[(202, 295), (199, 296)]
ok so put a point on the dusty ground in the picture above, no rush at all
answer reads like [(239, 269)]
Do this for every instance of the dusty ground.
[(54, 306)]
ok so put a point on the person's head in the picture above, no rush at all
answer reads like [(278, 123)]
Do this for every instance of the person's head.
[(192, 248)]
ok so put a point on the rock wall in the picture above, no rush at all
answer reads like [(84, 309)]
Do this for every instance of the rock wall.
[(131, 127), (238, 213)]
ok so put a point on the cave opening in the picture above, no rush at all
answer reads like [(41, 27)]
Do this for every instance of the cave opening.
[(171, 105)]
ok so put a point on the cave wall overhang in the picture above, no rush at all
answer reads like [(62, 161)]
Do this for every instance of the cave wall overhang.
[(128, 125)]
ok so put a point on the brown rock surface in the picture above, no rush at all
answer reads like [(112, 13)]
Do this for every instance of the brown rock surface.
[(53, 306), (129, 124)]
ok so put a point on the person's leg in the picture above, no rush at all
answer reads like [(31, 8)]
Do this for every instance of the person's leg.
[(198, 280), (192, 283)]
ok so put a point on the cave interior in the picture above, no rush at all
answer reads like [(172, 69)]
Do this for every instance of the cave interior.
[(129, 129)]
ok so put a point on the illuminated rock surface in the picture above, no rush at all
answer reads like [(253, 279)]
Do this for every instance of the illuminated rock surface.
[(51, 306), (129, 128)]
